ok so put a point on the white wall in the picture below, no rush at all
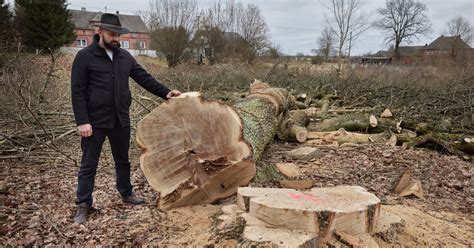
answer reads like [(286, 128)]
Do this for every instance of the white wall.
[(133, 52)]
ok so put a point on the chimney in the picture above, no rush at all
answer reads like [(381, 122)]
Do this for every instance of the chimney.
[(117, 12), (83, 8)]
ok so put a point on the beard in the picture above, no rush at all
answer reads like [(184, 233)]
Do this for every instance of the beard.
[(114, 46)]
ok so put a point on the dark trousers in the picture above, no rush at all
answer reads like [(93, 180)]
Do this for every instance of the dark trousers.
[(119, 139)]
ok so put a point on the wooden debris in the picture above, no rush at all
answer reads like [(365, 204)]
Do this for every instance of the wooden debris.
[(288, 169), (398, 126), (304, 153), (373, 121), (414, 189), (386, 114), (392, 141), (297, 184), (347, 238), (404, 181)]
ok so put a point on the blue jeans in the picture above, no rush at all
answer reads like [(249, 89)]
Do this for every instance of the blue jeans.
[(119, 139)]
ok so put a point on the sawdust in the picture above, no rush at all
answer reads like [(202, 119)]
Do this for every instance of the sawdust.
[(429, 229)]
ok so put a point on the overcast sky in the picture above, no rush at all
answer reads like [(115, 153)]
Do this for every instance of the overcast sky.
[(296, 24)]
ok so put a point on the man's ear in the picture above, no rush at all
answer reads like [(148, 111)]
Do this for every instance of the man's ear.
[(100, 31)]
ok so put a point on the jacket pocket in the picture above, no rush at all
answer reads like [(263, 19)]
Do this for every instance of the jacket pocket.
[(96, 100)]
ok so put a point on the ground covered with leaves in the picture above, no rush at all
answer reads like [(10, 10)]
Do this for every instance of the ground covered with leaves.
[(39, 204), (39, 154)]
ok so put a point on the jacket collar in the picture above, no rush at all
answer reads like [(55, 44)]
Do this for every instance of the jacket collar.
[(98, 50)]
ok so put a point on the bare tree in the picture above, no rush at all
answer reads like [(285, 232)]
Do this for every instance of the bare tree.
[(460, 26), (346, 22), (254, 30), (214, 23), (403, 20), (326, 43), (172, 23)]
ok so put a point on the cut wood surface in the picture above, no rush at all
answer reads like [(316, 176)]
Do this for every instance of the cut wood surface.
[(288, 169), (342, 136), (196, 151), (413, 189), (320, 210), (261, 235), (404, 181), (386, 114), (304, 153), (297, 184), (312, 218)]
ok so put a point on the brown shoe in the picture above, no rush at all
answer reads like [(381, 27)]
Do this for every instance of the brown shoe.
[(82, 212), (133, 200)]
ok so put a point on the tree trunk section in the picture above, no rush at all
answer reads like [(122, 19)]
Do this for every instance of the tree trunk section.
[(317, 213), (196, 151)]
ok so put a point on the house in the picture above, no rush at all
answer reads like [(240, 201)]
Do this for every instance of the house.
[(442, 48), (410, 54), (137, 42), (446, 47)]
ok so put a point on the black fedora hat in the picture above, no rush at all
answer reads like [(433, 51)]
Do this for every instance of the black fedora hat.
[(112, 23)]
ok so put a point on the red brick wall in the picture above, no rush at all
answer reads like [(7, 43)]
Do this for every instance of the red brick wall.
[(132, 38)]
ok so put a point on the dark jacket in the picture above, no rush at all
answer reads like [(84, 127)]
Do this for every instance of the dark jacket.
[(99, 87)]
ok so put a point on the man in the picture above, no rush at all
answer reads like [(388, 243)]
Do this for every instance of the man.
[(101, 100)]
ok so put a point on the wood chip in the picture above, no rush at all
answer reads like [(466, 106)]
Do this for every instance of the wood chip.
[(392, 141), (288, 169), (347, 238), (414, 189), (404, 181), (386, 113), (373, 121), (304, 153)]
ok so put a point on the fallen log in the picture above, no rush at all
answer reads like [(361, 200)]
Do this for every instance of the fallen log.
[(293, 126), (359, 123), (196, 151), (342, 137)]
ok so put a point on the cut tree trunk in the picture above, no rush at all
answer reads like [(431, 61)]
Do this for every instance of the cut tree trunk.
[(317, 214), (293, 126), (196, 151), (357, 123)]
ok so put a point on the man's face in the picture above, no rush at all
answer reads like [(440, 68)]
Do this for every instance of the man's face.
[(110, 39)]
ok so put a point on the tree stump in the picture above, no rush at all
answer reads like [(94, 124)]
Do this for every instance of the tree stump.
[(319, 212), (196, 151)]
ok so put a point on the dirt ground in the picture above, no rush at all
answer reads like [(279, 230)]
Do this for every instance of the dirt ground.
[(39, 206)]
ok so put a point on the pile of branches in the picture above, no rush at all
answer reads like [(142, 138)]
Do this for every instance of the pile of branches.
[(35, 117)]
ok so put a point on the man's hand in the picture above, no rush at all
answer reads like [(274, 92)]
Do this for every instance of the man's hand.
[(85, 130), (173, 93)]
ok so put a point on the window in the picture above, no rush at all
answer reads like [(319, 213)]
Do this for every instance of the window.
[(141, 44), (81, 42), (124, 44)]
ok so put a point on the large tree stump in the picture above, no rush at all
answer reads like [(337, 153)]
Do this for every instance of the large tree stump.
[(291, 218), (196, 151)]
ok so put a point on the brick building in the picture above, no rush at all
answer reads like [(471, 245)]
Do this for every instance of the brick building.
[(137, 42), (441, 49)]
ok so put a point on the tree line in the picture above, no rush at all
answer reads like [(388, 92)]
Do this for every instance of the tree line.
[(225, 30), (400, 20), (36, 25)]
